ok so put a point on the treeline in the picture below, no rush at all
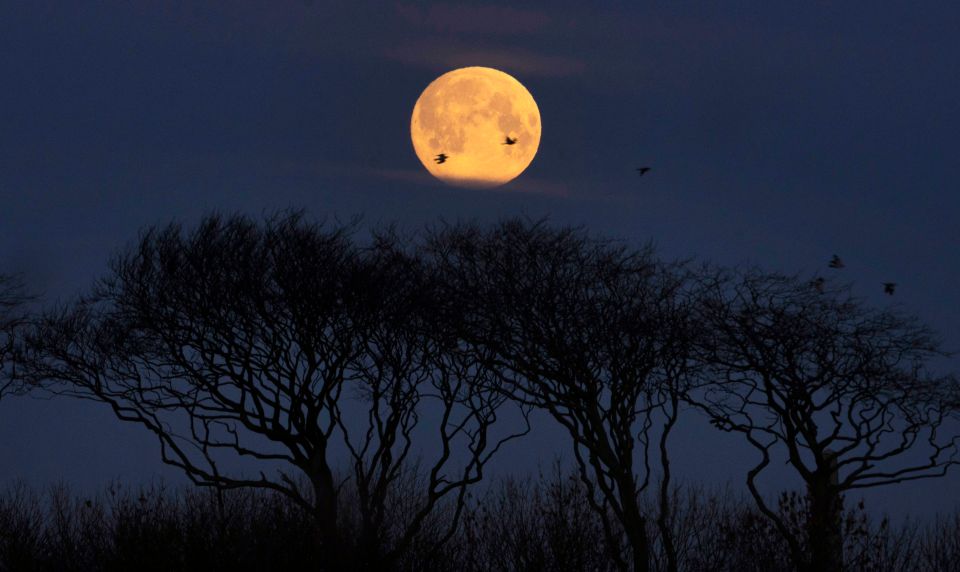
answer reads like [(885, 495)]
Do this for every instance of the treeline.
[(419, 358)]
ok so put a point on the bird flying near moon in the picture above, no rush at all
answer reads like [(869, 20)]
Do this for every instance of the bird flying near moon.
[(482, 123)]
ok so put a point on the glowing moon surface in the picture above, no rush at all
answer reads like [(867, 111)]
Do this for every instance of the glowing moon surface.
[(475, 127)]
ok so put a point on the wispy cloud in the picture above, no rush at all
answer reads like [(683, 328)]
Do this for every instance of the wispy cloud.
[(418, 176), (536, 186), (474, 19), (439, 55), (458, 35), (522, 184)]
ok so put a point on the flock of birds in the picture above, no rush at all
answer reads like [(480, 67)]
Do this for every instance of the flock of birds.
[(507, 140), (442, 157), (819, 282), (836, 263)]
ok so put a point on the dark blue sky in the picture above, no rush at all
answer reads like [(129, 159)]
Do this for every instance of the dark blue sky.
[(779, 133)]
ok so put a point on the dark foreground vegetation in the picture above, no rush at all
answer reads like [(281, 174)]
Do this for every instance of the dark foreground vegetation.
[(528, 525), (366, 382)]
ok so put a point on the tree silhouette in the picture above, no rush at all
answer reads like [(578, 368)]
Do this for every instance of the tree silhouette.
[(594, 333), (845, 389), (303, 349), (276, 343), (12, 318)]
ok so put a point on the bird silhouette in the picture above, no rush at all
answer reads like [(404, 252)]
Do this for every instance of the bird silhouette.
[(818, 283), (509, 141), (889, 287), (835, 262), (441, 158), (643, 170)]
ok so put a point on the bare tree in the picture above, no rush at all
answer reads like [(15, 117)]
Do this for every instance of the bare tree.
[(411, 355), (593, 333), (846, 390), (247, 341), (12, 318)]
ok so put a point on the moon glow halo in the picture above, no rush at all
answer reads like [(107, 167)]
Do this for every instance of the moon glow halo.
[(483, 122)]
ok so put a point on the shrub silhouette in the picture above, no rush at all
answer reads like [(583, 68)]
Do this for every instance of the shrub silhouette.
[(539, 524)]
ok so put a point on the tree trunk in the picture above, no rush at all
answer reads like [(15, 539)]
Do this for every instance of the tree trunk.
[(371, 554), (663, 519), (824, 533), (635, 526), (331, 551), (639, 545), (325, 515)]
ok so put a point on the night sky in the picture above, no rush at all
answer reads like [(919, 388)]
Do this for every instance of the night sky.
[(779, 134)]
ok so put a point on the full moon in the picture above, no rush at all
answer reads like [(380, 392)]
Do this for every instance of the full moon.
[(475, 127)]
